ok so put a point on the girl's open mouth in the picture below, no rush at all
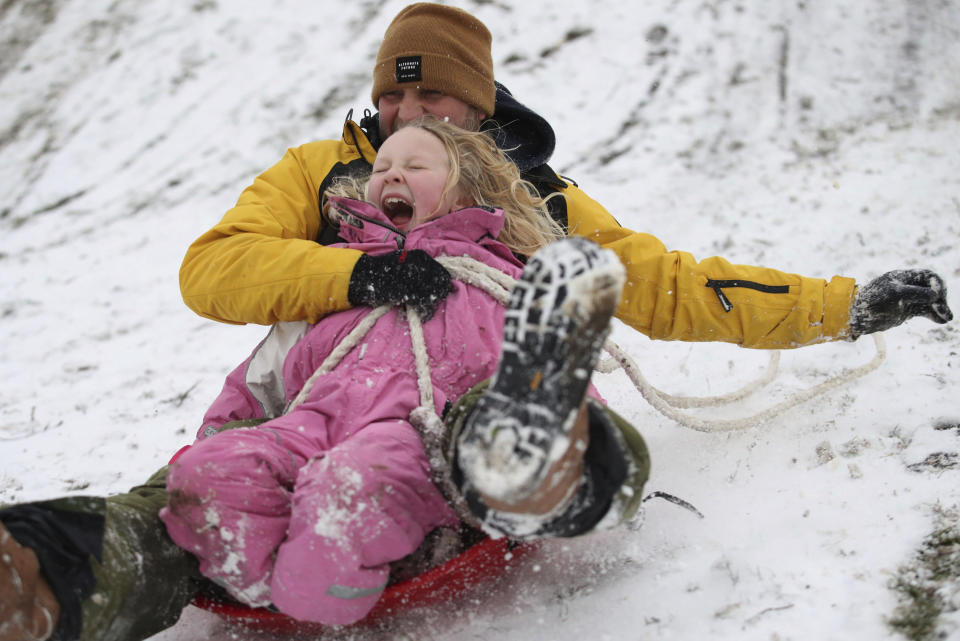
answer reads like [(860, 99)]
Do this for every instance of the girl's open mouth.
[(399, 211)]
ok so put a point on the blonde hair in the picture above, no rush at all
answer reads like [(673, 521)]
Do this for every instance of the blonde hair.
[(485, 176)]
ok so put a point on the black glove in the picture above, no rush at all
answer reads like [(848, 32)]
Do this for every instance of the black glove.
[(410, 278), (891, 299)]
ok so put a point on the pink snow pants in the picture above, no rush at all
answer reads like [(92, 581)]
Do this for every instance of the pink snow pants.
[(278, 516)]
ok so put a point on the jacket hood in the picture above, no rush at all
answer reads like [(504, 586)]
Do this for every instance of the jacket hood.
[(524, 135)]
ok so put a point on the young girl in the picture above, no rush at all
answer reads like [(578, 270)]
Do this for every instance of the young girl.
[(306, 510)]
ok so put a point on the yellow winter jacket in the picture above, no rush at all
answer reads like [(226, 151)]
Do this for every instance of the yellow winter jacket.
[(261, 264)]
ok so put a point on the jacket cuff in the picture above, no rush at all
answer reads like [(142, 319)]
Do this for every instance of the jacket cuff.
[(836, 307)]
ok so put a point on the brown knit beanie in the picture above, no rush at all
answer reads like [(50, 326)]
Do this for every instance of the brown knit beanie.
[(438, 48)]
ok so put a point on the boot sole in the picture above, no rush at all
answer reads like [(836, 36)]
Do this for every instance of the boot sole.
[(556, 322)]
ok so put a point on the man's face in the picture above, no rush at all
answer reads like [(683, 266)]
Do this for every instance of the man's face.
[(403, 105)]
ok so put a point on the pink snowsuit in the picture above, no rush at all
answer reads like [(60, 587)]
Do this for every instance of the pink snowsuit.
[(307, 510)]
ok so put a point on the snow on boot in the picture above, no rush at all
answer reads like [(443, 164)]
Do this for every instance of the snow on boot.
[(28, 609), (556, 322)]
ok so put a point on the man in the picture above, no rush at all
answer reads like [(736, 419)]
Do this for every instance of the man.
[(267, 259), (94, 568), (262, 263)]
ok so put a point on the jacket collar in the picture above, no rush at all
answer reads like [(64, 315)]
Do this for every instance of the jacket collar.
[(355, 136), (363, 222)]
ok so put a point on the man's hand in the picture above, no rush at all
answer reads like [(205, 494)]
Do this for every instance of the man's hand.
[(896, 296), (28, 608), (410, 278)]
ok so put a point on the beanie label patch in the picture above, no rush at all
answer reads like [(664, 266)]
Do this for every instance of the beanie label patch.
[(408, 69)]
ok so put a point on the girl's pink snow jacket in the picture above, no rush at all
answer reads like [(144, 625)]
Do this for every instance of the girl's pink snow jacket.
[(463, 336)]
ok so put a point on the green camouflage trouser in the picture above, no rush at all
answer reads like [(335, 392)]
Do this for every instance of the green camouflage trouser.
[(144, 580), (116, 573)]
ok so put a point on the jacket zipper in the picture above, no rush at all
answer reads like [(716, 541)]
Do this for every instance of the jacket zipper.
[(718, 285), (401, 237)]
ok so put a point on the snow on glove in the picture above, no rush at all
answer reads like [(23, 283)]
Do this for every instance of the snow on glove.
[(410, 278), (896, 296)]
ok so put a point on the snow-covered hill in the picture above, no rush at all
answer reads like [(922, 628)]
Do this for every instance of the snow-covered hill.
[(811, 137)]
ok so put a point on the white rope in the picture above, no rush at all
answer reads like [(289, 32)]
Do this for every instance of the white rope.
[(463, 268), (662, 404), (425, 416), (611, 365), (339, 352), (473, 272), (421, 358), (499, 285)]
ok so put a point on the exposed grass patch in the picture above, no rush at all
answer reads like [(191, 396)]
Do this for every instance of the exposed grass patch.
[(929, 585)]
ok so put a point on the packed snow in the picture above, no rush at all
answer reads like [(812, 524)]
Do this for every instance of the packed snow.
[(817, 138)]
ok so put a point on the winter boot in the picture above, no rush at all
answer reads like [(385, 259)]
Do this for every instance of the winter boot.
[(556, 322), (28, 609)]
